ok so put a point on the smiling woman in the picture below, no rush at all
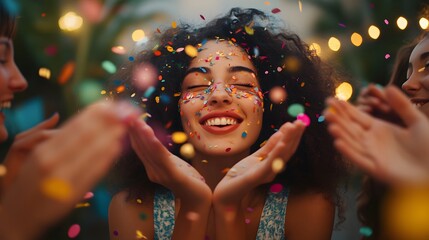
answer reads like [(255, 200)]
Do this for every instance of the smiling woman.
[(250, 162)]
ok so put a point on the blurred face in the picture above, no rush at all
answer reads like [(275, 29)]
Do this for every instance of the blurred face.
[(11, 81), (221, 104)]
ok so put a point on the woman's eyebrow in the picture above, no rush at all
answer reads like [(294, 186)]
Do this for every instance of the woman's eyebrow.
[(198, 70), (241, 69)]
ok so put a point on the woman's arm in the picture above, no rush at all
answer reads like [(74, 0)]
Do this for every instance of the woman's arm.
[(309, 216)]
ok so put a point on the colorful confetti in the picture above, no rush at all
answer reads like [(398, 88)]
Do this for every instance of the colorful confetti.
[(179, 137), (73, 231), (295, 109), (365, 231), (304, 118), (276, 188), (66, 72), (187, 151), (202, 17), (275, 10), (277, 95), (191, 51), (56, 188)]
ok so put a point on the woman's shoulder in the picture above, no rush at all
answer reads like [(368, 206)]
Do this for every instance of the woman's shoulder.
[(310, 215), (130, 215)]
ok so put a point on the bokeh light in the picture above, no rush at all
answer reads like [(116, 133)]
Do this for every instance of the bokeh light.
[(356, 39), (344, 91), (316, 49), (334, 44), (45, 73), (424, 23), (138, 35), (144, 76), (70, 22), (402, 23), (374, 32)]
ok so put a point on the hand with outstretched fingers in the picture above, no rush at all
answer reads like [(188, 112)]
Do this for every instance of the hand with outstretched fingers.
[(58, 172), (392, 153), (23, 144), (177, 175), (258, 168)]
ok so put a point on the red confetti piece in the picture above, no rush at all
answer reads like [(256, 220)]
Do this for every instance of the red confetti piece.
[(275, 10), (276, 188), (66, 72), (202, 17), (159, 31), (157, 53), (88, 195), (228, 149), (74, 230)]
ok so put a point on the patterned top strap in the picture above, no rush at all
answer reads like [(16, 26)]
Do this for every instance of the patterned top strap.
[(163, 214), (271, 225)]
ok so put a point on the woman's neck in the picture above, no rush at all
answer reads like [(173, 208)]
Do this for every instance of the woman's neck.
[(214, 168)]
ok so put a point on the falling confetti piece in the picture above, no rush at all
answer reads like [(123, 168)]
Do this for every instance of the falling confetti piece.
[(277, 165), (321, 119), (387, 56), (187, 151), (179, 137), (295, 109), (118, 50), (174, 24), (267, 3), (342, 25), (202, 17), (73, 231), (275, 10), (81, 205), (276, 188), (157, 53), (108, 66), (138, 200), (205, 161), (191, 51), (386, 21), (131, 58), (249, 30), (66, 72), (300, 5), (304, 118), (57, 189), (45, 73), (365, 231), (139, 235)]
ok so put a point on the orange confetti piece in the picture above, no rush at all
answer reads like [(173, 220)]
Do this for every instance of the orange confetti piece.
[(120, 89), (174, 24), (157, 53), (66, 72), (225, 170), (57, 189)]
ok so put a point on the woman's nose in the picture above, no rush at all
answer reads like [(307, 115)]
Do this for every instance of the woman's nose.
[(17, 82), (220, 95)]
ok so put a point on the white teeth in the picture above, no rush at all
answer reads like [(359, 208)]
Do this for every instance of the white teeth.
[(418, 104), (4, 105), (220, 121)]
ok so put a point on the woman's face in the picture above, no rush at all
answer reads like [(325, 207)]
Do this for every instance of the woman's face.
[(221, 105), (417, 85), (11, 80)]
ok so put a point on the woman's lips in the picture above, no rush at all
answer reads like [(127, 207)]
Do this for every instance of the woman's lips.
[(220, 129)]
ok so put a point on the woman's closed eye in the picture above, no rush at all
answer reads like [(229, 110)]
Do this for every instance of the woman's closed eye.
[(197, 86)]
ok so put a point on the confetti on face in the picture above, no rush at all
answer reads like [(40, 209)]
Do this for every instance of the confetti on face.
[(365, 231), (73, 231), (244, 134), (179, 137), (277, 95), (191, 51), (304, 118), (276, 188), (295, 109), (187, 151), (228, 149), (277, 165), (57, 189)]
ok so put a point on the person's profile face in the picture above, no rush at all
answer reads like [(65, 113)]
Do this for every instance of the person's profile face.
[(221, 104), (11, 81), (417, 84)]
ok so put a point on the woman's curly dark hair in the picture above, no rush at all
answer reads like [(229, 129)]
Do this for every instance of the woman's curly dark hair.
[(8, 21), (316, 166)]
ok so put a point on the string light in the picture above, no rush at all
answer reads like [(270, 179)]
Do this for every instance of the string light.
[(70, 22), (374, 32), (402, 23), (424, 23), (334, 44), (356, 39)]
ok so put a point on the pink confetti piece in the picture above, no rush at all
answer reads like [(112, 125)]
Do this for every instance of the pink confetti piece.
[(342, 25), (275, 10), (386, 21), (74, 231), (387, 56), (88, 195), (276, 188), (303, 118)]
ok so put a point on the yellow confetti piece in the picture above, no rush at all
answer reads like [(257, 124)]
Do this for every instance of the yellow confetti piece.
[(179, 137), (45, 73), (187, 150), (277, 165), (102, 92), (139, 235), (421, 69), (170, 48), (174, 24), (81, 205), (191, 51), (3, 170), (157, 99), (249, 30), (57, 189), (139, 200), (300, 5), (267, 3), (205, 161)]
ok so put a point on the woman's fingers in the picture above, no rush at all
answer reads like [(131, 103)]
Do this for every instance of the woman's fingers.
[(47, 124)]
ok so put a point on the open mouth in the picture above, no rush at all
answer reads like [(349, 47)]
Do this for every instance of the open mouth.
[(221, 123), (5, 105)]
